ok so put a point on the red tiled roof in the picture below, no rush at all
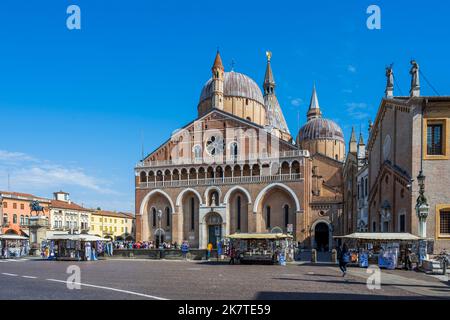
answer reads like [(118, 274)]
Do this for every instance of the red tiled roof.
[(23, 195), (67, 205)]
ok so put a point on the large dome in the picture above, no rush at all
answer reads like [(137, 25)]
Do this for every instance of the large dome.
[(320, 128), (235, 84)]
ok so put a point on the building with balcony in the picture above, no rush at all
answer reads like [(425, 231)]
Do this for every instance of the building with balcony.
[(236, 168), (16, 211)]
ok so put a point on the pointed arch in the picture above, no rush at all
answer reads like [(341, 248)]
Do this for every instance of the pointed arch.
[(274, 185), (147, 197), (181, 194), (229, 192)]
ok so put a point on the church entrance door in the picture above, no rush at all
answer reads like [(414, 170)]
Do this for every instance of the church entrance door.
[(322, 236)]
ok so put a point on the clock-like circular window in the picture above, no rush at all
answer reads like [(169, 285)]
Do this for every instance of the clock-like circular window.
[(214, 145)]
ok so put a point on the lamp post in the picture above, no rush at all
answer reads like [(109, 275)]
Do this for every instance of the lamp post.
[(159, 220), (422, 206)]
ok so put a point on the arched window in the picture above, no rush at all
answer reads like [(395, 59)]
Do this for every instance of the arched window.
[(143, 177), (238, 213), (15, 218), (22, 219), (154, 217), (192, 214), (268, 217), (168, 216), (27, 219), (286, 215), (5, 218)]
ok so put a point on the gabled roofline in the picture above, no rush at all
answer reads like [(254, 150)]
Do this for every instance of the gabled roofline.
[(226, 114)]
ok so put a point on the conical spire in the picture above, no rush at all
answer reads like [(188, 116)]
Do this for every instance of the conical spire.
[(361, 139), (353, 136), (314, 103), (314, 108), (217, 62), (353, 145), (269, 81)]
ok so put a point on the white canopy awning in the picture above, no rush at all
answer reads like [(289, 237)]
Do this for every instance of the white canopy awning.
[(250, 236), (386, 236), (77, 237), (12, 237)]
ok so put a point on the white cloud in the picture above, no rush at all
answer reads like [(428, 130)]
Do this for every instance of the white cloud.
[(351, 69), (297, 102), (27, 172), (15, 157), (358, 110)]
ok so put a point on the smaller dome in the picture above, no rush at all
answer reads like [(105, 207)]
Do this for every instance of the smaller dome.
[(235, 84), (320, 128)]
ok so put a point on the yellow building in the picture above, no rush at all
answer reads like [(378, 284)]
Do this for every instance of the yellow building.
[(111, 224)]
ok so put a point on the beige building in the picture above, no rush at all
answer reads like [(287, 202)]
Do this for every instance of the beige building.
[(111, 224), (236, 168), (66, 215), (410, 135)]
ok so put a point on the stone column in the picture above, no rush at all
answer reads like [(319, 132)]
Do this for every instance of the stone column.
[(251, 218)]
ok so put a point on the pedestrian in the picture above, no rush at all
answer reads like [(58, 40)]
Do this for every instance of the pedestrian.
[(232, 255), (184, 249), (342, 255), (219, 250), (408, 260), (209, 249)]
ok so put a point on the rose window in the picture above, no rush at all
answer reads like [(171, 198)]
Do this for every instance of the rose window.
[(214, 145)]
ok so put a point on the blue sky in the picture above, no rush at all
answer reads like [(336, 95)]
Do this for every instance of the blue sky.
[(75, 103)]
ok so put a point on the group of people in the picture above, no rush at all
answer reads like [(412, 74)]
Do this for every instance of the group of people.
[(144, 245)]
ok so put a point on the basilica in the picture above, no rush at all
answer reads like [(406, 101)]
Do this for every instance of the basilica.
[(238, 168)]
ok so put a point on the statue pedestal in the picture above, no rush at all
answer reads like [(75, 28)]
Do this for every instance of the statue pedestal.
[(38, 233)]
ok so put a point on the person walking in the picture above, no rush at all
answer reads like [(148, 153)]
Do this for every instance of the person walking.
[(232, 255), (342, 255), (184, 249), (209, 249)]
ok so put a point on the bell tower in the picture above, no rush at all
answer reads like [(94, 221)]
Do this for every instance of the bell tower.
[(217, 79)]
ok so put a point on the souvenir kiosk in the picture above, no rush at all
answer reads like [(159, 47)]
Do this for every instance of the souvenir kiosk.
[(387, 250), (264, 248), (75, 247), (13, 246)]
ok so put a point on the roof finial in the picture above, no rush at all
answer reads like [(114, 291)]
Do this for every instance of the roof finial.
[(232, 65), (268, 55)]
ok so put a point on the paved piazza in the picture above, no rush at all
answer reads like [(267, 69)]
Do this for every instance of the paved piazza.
[(150, 279)]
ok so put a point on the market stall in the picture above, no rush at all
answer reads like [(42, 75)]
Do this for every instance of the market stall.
[(266, 248), (78, 247), (13, 246), (387, 250)]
